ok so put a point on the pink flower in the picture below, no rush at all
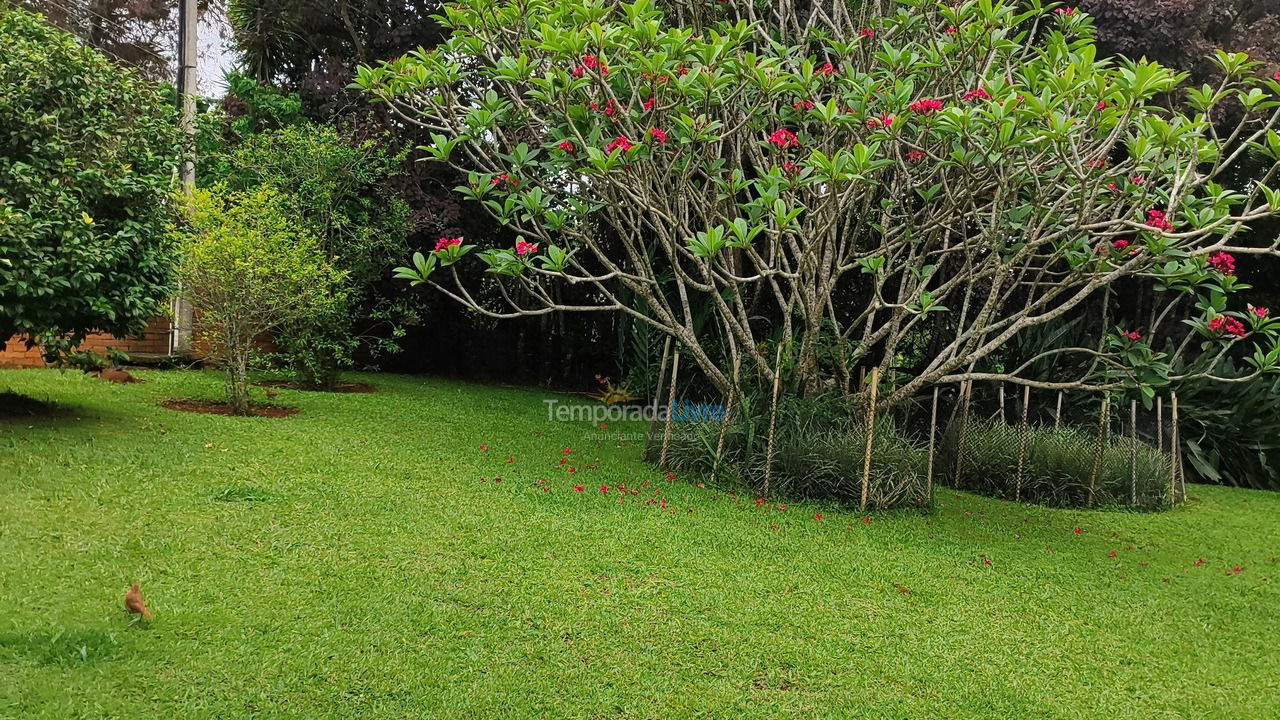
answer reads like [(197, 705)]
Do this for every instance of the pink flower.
[(604, 489), (1223, 263), (877, 123), (484, 447), (975, 95), (927, 106), (1139, 180), (659, 135), (577, 72), (951, 30), (867, 33), (1134, 335), (619, 143), (1223, 325), (504, 178), (827, 69), (759, 502), (1260, 312), (568, 147), (1113, 187), (591, 62), (648, 104), (1067, 12), (1120, 245), (802, 105), (818, 517), (790, 167), (443, 244), (1158, 220), (916, 156), (1102, 105), (1276, 77), (578, 488), (525, 248), (784, 139)]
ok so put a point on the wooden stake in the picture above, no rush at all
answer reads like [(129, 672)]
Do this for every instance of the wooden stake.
[(933, 436), (724, 422), (1133, 452), (662, 380), (1160, 424), (966, 394), (1175, 457), (1000, 389), (1057, 416), (1103, 416), (1023, 432), (773, 419), (671, 405), (871, 434)]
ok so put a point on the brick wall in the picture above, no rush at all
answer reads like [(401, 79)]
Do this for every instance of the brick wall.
[(154, 341)]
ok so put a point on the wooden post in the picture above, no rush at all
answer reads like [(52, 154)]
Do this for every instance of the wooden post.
[(1175, 459), (1133, 452), (671, 404), (1099, 448), (1160, 424), (871, 434), (966, 394), (724, 422), (1023, 432), (1000, 391), (1057, 416), (773, 419), (657, 393), (933, 437)]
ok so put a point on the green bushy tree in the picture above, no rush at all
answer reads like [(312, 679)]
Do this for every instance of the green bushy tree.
[(846, 178), (335, 187), (251, 270), (87, 158)]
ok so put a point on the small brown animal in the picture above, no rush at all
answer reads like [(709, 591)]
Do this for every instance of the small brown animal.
[(117, 375), (271, 394), (133, 603)]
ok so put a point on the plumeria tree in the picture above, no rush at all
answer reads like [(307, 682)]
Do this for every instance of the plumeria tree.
[(845, 179)]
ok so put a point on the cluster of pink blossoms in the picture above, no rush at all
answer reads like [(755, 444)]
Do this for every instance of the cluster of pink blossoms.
[(1158, 220), (827, 69), (619, 143), (1133, 335), (590, 62), (1259, 312), (916, 156), (648, 104), (791, 167), (1068, 12), (783, 139), (976, 95), (867, 33), (877, 123), (504, 179), (927, 106), (445, 243), (1223, 263), (802, 105), (526, 248), (568, 147), (1223, 325), (659, 135)]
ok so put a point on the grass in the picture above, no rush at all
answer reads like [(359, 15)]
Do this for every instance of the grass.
[(349, 562)]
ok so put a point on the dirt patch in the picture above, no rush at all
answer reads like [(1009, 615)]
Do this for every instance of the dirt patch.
[(211, 407), (116, 375), (342, 387)]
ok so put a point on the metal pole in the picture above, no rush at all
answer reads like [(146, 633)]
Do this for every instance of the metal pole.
[(188, 34)]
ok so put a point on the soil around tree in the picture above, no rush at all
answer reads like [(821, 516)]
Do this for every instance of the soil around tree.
[(342, 387), (214, 407)]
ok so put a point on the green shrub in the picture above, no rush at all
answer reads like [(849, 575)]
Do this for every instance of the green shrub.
[(819, 453), (250, 269), (87, 158), (1056, 468), (336, 189)]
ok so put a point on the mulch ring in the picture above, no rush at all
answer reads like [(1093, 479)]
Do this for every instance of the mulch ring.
[(213, 407), (342, 387)]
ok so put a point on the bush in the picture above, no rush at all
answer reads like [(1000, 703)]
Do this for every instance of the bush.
[(250, 270), (819, 452), (336, 188), (1056, 466), (87, 158)]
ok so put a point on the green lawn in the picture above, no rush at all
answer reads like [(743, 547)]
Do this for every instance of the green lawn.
[(350, 562)]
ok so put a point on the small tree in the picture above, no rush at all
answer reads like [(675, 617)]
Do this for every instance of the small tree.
[(336, 187), (251, 270), (87, 157), (848, 179)]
